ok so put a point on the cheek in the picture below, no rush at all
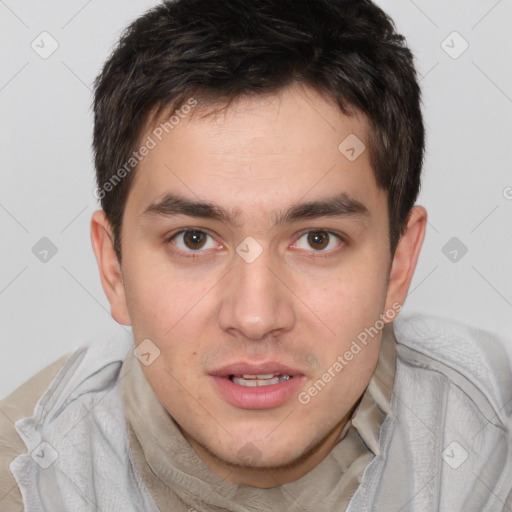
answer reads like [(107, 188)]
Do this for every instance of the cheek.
[(351, 300), (159, 298), (167, 308)]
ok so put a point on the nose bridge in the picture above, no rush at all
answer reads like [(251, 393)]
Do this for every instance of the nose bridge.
[(255, 302)]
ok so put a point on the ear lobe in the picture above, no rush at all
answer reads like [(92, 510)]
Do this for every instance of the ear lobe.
[(406, 257), (109, 267)]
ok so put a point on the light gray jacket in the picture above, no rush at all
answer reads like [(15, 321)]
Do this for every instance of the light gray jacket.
[(446, 447)]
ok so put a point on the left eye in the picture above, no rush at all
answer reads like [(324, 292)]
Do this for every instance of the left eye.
[(192, 240), (319, 241)]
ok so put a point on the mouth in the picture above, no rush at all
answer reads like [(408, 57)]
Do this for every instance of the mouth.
[(265, 386), (255, 381)]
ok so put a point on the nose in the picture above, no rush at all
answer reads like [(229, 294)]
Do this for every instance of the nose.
[(256, 303)]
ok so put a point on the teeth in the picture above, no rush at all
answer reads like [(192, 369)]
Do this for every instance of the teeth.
[(267, 376), (253, 381)]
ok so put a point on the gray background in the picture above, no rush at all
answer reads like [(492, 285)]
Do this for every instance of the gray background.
[(48, 308)]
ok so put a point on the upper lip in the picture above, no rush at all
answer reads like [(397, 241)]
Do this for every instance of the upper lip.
[(255, 369)]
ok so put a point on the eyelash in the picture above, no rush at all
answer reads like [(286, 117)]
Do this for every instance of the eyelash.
[(312, 253)]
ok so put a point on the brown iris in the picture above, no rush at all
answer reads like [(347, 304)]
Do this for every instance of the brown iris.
[(318, 239), (194, 239)]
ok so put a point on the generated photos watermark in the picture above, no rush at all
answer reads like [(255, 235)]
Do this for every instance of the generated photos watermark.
[(361, 341), (149, 144)]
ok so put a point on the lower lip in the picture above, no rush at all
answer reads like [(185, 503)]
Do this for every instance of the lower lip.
[(261, 397)]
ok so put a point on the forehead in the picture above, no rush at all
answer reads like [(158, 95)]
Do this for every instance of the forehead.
[(260, 153)]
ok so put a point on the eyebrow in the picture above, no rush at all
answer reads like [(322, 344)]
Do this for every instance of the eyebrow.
[(341, 205)]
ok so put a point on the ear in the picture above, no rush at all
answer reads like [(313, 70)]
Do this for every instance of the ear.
[(406, 257), (111, 275)]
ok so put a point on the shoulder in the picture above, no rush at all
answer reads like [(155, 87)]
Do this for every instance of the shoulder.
[(90, 371), (449, 436), (44, 399), (470, 358), (18, 404)]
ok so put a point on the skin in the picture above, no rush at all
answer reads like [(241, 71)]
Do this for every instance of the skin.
[(298, 303)]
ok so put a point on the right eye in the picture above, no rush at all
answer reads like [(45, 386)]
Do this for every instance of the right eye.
[(192, 241)]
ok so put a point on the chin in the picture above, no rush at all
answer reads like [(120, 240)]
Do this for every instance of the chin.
[(258, 453)]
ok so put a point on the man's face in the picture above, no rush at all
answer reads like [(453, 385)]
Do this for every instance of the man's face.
[(280, 283)]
